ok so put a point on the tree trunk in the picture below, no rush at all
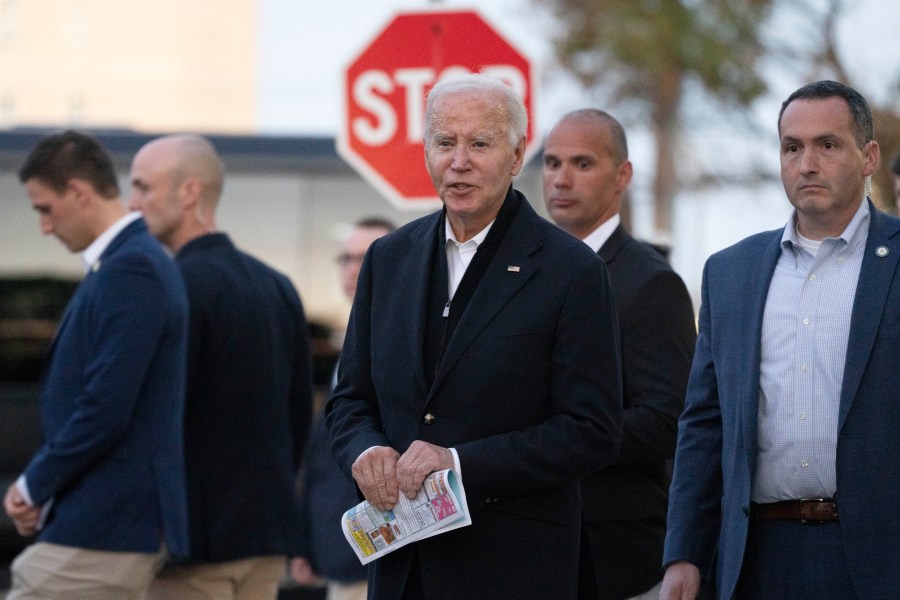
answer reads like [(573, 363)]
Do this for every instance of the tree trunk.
[(665, 130)]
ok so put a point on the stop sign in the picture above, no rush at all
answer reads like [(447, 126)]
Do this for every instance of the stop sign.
[(385, 88)]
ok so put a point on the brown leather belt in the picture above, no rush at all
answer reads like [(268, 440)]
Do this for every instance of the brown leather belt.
[(813, 510)]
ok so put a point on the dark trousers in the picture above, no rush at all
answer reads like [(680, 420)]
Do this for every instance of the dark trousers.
[(620, 559), (413, 589), (790, 560)]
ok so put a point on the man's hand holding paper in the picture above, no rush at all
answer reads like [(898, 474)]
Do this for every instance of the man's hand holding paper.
[(375, 472), (381, 473), (420, 460)]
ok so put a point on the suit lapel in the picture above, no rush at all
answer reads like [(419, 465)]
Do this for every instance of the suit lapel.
[(130, 230), (762, 262), (511, 267), (415, 291), (875, 277), (60, 327), (135, 227), (613, 244)]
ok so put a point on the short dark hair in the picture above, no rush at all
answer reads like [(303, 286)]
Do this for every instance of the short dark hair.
[(619, 140), (859, 108), (375, 223), (895, 164), (61, 157)]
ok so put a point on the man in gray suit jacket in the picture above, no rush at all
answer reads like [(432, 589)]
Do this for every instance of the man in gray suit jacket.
[(787, 469), (106, 490), (483, 338), (586, 173)]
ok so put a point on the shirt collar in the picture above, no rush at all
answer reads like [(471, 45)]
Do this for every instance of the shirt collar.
[(790, 237), (449, 236), (93, 252), (598, 237)]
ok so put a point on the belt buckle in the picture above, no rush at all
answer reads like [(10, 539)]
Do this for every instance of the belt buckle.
[(811, 503)]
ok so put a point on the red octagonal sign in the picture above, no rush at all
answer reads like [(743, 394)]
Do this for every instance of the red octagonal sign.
[(385, 87)]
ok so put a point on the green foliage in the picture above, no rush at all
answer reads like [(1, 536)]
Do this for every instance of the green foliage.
[(636, 44)]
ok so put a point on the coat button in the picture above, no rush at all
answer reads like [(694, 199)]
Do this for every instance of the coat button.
[(429, 419)]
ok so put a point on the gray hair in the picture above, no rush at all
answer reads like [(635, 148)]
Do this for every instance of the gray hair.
[(515, 115)]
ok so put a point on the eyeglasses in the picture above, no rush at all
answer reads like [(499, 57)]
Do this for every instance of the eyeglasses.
[(346, 260)]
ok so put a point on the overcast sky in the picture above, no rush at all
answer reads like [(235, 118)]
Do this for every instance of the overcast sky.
[(307, 46), (302, 94)]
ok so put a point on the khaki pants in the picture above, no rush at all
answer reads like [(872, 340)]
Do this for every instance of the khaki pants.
[(346, 591), (45, 571), (248, 579)]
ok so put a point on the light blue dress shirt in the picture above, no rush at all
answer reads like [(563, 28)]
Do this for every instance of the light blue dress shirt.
[(806, 326)]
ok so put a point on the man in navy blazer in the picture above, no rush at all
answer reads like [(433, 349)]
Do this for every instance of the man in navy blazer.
[(482, 338), (106, 490), (586, 173), (787, 470), (249, 394)]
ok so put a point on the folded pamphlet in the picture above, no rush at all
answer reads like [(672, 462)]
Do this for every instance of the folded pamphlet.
[(439, 507)]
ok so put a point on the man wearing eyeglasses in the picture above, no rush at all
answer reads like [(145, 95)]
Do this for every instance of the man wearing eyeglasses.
[(354, 247), (327, 492)]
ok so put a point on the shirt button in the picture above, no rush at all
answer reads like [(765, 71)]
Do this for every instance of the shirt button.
[(812, 277), (803, 416), (806, 321), (804, 368), (804, 464), (428, 419)]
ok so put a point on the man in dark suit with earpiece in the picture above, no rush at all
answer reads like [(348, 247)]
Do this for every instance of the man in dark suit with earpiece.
[(586, 173)]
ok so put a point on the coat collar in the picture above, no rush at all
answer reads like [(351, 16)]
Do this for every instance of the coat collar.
[(216, 239), (765, 258), (133, 228), (512, 266), (498, 285), (876, 275), (614, 244), (418, 265)]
